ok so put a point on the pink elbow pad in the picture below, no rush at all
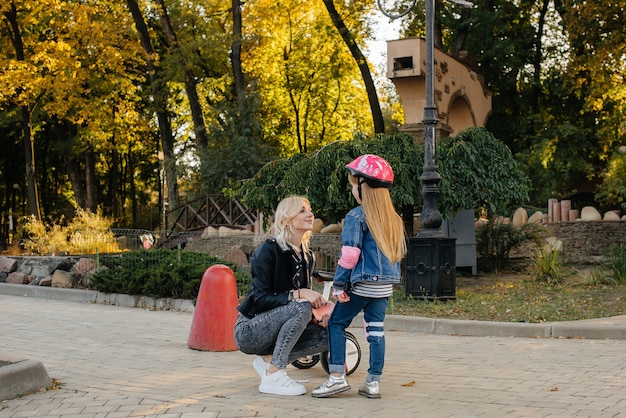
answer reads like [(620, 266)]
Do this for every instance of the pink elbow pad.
[(349, 257)]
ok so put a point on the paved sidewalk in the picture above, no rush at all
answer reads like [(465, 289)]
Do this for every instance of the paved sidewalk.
[(117, 361)]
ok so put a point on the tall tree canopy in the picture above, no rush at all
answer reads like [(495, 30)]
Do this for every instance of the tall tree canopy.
[(556, 70), (96, 90), (83, 101)]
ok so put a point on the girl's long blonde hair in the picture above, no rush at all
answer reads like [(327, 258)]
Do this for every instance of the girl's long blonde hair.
[(286, 210), (382, 219)]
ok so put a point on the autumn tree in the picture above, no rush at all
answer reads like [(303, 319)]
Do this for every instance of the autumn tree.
[(308, 83), (77, 79), (359, 10)]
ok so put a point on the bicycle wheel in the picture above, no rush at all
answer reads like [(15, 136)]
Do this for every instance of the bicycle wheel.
[(353, 355), (306, 362)]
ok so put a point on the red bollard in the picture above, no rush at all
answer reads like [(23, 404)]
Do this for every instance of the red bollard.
[(216, 311)]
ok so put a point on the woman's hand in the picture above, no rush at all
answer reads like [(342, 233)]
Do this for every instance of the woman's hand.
[(315, 299)]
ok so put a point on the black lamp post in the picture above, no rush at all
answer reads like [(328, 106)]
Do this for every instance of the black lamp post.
[(430, 218), (431, 259)]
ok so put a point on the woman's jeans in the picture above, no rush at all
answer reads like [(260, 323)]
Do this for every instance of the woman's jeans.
[(286, 332), (374, 316)]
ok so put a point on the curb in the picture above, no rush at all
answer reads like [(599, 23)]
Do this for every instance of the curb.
[(22, 377), (613, 328), (93, 296)]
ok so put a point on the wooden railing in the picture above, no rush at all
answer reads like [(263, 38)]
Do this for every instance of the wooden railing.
[(212, 210)]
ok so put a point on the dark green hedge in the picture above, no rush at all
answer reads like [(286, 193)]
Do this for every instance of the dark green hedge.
[(159, 273)]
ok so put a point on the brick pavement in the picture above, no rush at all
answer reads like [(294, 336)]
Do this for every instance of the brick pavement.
[(129, 362)]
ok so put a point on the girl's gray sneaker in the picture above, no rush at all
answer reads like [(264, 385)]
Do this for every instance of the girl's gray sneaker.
[(332, 386), (370, 389)]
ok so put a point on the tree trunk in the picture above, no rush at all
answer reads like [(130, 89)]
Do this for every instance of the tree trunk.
[(461, 35), (78, 185), (28, 139), (199, 126), (159, 94), (536, 86), (370, 87), (91, 201), (240, 94), (114, 181), (29, 160)]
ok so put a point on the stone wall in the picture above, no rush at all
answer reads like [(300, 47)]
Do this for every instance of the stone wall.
[(583, 242), (325, 246)]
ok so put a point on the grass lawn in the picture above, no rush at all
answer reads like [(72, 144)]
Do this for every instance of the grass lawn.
[(515, 296)]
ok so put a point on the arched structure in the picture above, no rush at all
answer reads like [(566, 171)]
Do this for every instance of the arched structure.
[(461, 98)]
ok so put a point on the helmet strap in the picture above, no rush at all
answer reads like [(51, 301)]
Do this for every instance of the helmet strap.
[(360, 180)]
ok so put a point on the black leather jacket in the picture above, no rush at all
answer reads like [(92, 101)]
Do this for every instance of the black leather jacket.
[(274, 273)]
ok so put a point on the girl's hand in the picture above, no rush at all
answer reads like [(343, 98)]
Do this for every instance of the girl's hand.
[(342, 297)]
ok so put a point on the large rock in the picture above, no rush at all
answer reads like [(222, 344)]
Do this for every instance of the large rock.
[(589, 213), (332, 229), (63, 279), (535, 218), (520, 217), (18, 277), (84, 266), (8, 265), (611, 216), (84, 269), (209, 232), (318, 224), (237, 256)]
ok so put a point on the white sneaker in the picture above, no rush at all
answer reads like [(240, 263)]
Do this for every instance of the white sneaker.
[(280, 384), (261, 366)]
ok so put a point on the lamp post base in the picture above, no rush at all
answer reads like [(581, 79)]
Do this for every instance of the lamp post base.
[(431, 268)]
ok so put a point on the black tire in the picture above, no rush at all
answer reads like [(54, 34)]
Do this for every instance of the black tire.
[(306, 362), (353, 355)]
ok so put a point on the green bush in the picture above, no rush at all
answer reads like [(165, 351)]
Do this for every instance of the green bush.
[(548, 266), (159, 273), (616, 262), (496, 239)]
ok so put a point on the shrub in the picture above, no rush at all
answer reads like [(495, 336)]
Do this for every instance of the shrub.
[(86, 233), (159, 273), (616, 262), (496, 239), (548, 266)]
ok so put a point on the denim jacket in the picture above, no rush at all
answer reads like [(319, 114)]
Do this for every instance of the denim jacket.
[(373, 265)]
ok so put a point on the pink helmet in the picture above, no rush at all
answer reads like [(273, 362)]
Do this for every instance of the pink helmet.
[(374, 169)]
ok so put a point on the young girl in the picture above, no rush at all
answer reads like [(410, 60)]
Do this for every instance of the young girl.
[(274, 320), (374, 243)]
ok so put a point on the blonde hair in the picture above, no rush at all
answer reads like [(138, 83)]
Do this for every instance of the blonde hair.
[(286, 210), (382, 219)]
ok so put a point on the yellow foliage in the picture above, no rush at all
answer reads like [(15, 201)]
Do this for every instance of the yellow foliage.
[(86, 233)]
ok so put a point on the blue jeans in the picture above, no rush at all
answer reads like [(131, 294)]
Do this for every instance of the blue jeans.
[(374, 315), (285, 332)]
